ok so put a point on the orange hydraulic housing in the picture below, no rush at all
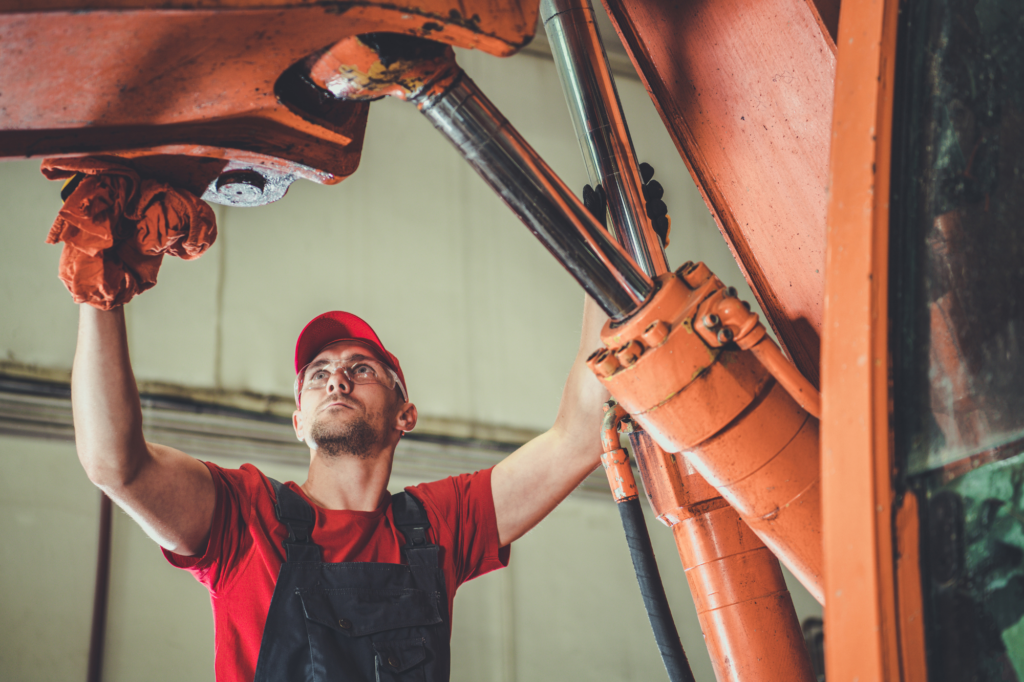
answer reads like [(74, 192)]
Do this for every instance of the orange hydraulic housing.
[(745, 610), (695, 368), (211, 94)]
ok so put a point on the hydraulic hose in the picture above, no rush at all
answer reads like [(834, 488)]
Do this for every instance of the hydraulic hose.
[(623, 485)]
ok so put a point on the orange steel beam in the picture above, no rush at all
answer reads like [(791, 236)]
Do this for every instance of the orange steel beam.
[(860, 606), (745, 89)]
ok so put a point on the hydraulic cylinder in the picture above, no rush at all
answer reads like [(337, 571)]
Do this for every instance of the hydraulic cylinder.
[(745, 610), (680, 368)]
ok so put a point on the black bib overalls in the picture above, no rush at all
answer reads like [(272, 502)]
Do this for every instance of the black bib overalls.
[(365, 622)]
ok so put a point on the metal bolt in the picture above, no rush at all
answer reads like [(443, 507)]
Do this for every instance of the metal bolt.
[(241, 185), (629, 353), (655, 334), (605, 364), (725, 335), (711, 320), (695, 274)]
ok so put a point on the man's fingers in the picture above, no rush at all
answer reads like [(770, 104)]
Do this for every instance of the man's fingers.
[(646, 172), (595, 202), (656, 209), (662, 227), (653, 191)]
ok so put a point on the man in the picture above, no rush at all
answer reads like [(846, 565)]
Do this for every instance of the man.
[(333, 578)]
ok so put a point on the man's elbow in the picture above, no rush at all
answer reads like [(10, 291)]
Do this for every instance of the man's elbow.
[(106, 473)]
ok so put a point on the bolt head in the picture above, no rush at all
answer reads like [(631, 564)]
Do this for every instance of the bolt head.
[(629, 353), (655, 334), (241, 185), (605, 363)]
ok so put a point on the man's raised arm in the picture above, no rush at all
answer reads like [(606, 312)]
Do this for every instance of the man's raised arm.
[(170, 494), (531, 481)]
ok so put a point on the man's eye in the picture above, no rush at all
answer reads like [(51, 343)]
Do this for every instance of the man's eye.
[(363, 371), (319, 375)]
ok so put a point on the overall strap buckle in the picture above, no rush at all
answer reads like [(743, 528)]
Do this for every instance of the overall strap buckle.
[(296, 514), (411, 520)]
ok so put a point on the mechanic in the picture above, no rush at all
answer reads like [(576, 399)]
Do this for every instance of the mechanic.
[(334, 578)]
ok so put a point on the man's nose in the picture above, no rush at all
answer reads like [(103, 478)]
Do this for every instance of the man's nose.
[(339, 382)]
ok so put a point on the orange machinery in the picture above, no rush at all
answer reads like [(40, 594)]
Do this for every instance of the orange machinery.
[(861, 163)]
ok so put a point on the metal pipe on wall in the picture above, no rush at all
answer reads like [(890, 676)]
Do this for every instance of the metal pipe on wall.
[(98, 631), (593, 101)]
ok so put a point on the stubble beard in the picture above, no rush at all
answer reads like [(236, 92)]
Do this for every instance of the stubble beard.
[(357, 439)]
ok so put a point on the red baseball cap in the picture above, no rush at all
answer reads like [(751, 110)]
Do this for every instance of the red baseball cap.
[(336, 325)]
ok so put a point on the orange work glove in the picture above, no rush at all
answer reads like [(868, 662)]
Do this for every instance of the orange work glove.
[(116, 228)]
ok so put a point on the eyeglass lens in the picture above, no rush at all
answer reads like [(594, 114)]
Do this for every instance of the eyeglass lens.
[(359, 372)]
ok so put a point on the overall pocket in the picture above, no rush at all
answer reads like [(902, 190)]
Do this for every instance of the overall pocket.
[(374, 634), (401, 660)]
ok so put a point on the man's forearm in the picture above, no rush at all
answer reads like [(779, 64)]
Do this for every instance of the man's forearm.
[(581, 408), (531, 482), (105, 400)]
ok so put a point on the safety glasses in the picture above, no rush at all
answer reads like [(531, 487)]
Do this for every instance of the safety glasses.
[(315, 375)]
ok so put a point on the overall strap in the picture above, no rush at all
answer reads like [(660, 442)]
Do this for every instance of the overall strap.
[(411, 520), (296, 514)]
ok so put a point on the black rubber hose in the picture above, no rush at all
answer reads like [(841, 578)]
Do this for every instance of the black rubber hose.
[(653, 591)]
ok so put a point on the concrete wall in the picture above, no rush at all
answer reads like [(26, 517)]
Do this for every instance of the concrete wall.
[(486, 324)]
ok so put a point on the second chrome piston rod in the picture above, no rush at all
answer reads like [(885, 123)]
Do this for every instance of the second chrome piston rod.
[(425, 73), (600, 124)]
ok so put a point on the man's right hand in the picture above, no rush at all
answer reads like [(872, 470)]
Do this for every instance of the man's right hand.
[(170, 494)]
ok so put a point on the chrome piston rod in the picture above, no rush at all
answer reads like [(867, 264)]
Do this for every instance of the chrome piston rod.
[(539, 197), (371, 66), (608, 154)]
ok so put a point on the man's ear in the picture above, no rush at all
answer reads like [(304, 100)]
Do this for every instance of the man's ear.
[(406, 419), (297, 425)]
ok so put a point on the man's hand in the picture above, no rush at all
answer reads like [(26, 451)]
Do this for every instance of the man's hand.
[(170, 494), (531, 481), (597, 203)]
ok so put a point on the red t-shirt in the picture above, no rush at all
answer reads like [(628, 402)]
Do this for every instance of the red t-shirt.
[(244, 553)]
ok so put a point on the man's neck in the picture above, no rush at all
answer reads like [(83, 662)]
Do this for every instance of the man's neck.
[(347, 482)]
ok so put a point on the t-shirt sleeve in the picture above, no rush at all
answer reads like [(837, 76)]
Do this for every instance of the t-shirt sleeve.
[(230, 543), (465, 506)]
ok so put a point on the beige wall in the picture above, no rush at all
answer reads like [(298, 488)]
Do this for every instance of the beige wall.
[(486, 325)]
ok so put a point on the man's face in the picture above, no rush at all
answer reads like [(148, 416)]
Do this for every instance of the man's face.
[(344, 418)]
